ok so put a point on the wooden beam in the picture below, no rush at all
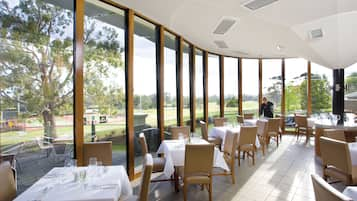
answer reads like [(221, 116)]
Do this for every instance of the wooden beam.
[(129, 74), (240, 95), (221, 85), (160, 62), (205, 86), (283, 91), (260, 75), (179, 67), (78, 81), (193, 86), (309, 99)]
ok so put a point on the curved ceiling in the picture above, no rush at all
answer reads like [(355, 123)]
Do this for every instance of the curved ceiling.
[(278, 30)]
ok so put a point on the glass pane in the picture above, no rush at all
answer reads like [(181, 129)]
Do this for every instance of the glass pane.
[(295, 86), (230, 88), (104, 77), (199, 88), (351, 88), (213, 87), (321, 93), (250, 85), (145, 95), (272, 82), (186, 84), (36, 94), (170, 81)]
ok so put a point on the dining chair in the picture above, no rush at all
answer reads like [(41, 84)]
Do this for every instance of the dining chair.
[(240, 119), (336, 160), (337, 134), (248, 115), (281, 125), (176, 130), (45, 145), (145, 180), (325, 192), (158, 162), (273, 129), (102, 150), (301, 127), (198, 169), (246, 142), (7, 182), (204, 131), (219, 121), (229, 152), (262, 132)]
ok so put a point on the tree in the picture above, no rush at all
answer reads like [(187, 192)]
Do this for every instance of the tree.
[(351, 83), (36, 57)]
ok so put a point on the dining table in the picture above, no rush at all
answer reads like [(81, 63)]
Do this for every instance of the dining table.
[(351, 192), (101, 183), (221, 131), (174, 152)]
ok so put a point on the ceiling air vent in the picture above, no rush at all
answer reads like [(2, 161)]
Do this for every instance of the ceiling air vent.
[(224, 25), (221, 44), (316, 34), (257, 4), (240, 53)]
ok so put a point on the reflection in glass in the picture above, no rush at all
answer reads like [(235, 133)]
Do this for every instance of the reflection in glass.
[(213, 87), (230, 88), (272, 82), (295, 86), (170, 108), (36, 93), (250, 86), (145, 94), (104, 77)]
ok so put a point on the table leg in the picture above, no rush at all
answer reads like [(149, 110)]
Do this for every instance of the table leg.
[(176, 179)]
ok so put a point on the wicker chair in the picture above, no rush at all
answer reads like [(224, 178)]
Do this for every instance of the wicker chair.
[(246, 142), (325, 192)]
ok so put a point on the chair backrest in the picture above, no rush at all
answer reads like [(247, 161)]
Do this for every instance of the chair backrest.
[(337, 134), (102, 150), (325, 192), (301, 121), (176, 130), (240, 119), (7, 182), (262, 128), (273, 125), (230, 146), (144, 145), (146, 177), (219, 122), (248, 115), (335, 153), (198, 159), (204, 130), (247, 135)]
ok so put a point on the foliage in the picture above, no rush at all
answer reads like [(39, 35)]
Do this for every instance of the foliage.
[(232, 102), (351, 83)]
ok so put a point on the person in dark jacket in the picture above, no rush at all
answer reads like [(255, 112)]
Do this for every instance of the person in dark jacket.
[(267, 108)]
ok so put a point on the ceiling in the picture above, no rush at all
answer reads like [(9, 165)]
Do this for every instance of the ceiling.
[(257, 34)]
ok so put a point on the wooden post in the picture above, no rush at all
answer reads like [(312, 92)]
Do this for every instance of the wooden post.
[(221, 85), (193, 87), (179, 68), (160, 81), (78, 81), (260, 75), (205, 85), (309, 100), (283, 92), (240, 95)]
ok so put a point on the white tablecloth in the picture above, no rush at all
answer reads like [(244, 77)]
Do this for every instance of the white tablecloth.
[(58, 184), (220, 132), (351, 192), (174, 151), (353, 153)]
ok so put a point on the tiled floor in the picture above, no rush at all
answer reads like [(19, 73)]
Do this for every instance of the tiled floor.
[(282, 174)]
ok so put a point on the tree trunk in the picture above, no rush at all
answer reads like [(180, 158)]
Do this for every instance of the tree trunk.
[(49, 123)]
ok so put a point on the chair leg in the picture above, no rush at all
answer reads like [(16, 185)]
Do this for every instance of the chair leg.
[(253, 156), (184, 191), (238, 157), (277, 141), (210, 191), (233, 175)]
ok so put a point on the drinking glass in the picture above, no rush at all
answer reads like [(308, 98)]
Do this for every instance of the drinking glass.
[(100, 168), (92, 166)]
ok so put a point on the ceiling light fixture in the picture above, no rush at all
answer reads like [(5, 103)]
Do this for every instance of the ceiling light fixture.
[(257, 4)]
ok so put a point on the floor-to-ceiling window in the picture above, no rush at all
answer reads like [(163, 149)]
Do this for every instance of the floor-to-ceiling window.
[(145, 86), (213, 87), (230, 88), (170, 102), (104, 77), (295, 86), (351, 88), (36, 79), (186, 83), (250, 85), (321, 85), (199, 87), (272, 82)]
